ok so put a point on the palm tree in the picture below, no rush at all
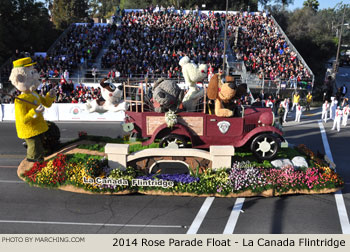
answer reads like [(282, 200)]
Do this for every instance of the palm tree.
[(313, 4), (284, 3)]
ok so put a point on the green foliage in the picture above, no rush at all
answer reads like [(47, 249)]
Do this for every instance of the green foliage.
[(66, 12), (289, 153), (24, 25), (81, 158), (313, 4), (94, 167), (195, 173), (138, 147), (313, 34), (103, 8), (133, 146), (95, 147)]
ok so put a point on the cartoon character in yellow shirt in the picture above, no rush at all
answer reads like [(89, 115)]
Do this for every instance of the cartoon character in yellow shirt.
[(29, 107)]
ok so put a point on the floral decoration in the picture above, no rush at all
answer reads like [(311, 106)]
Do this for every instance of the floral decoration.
[(76, 170)]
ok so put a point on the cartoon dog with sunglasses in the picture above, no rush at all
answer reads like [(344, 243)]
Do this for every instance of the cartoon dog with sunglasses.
[(112, 96)]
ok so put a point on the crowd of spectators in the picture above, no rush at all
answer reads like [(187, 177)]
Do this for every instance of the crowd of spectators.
[(152, 41), (264, 49), (65, 92), (79, 47)]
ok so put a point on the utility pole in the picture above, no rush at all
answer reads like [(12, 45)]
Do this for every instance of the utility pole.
[(225, 37), (335, 67)]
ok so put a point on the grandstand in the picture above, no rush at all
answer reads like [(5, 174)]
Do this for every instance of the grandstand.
[(144, 43)]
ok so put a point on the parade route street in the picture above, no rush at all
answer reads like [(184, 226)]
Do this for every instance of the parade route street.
[(26, 209)]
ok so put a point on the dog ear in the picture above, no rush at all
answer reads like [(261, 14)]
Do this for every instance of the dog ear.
[(103, 82), (241, 90), (213, 87), (160, 80)]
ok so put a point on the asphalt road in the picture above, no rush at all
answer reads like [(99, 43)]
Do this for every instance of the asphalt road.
[(25, 209)]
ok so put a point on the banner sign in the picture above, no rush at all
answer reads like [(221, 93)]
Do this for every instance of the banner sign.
[(66, 112), (78, 112)]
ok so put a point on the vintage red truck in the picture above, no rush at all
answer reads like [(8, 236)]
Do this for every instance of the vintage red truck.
[(200, 130)]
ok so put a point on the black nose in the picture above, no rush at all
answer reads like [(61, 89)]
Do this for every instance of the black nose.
[(232, 85), (161, 95)]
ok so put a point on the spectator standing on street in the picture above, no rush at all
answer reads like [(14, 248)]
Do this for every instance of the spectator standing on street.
[(298, 112), (346, 112), (280, 113), (269, 104), (296, 98), (325, 108), (286, 109), (308, 101), (337, 119), (333, 107), (344, 90)]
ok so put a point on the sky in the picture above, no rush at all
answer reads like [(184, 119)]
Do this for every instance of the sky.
[(324, 4)]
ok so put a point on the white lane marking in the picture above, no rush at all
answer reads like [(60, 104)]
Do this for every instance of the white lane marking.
[(197, 222), (232, 220), (339, 199), (89, 224), (8, 166), (11, 181)]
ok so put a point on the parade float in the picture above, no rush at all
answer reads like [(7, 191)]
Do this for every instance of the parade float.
[(84, 167), (207, 152)]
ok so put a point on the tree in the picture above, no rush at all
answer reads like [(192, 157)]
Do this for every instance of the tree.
[(103, 8), (311, 33), (65, 12), (24, 25), (284, 3), (313, 4), (264, 3)]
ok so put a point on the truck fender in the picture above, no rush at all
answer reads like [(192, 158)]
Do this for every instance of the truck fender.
[(258, 130)]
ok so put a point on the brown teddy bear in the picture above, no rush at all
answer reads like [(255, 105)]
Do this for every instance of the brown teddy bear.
[(224, 94)]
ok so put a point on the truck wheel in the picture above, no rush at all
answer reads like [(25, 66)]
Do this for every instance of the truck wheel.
[(173, 141), (265, 146)]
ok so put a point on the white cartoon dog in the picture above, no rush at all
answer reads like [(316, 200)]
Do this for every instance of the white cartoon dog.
[(112, 96), (192, 74)]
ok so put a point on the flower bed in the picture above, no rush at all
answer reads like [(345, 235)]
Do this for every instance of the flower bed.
[(88, 173)]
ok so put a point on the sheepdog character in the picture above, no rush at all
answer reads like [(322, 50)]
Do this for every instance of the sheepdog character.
[(338, 115), (112, 96), (325, 108), (224, 93), (166, 95), (192, 74), (29, 107)]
